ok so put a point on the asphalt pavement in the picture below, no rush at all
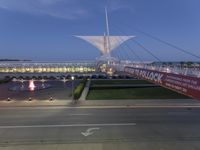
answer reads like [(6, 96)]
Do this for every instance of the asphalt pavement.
[(92, 128)]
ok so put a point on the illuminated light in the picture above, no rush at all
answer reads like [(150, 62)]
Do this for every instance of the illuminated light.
[(31, 85), (72, 77), (64, 80), (168, 70), (51, 99)]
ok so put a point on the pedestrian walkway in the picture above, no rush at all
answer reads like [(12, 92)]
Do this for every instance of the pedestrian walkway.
[(103, 103), (125, 85), (85, 91)]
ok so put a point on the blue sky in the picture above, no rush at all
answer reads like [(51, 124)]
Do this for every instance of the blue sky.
[(43, 29)]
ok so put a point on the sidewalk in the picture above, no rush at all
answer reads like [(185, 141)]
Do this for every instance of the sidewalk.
[(85, 91), (103, 103)]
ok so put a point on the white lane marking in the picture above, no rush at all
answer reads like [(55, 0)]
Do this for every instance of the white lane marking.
[(89, 132), (80, 114), (68, 125)]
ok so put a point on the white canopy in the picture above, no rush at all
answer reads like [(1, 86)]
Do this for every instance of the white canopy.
[(100, 42)]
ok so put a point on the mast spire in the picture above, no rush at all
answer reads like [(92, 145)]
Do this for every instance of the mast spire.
[(107, 23), (106, 43), (107, 33)]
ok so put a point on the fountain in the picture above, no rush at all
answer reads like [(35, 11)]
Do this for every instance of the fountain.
[(32, 85)]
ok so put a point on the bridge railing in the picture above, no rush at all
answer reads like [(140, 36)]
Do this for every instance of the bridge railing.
[(187, 71)]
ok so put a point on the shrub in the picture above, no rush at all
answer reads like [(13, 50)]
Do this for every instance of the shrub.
[(79, 89), (6, 80)]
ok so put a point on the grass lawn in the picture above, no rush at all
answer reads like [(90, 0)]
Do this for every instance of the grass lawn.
[(133, 93), (113, 82)]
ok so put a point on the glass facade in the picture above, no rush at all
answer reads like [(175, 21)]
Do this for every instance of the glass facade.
[(47, 67)]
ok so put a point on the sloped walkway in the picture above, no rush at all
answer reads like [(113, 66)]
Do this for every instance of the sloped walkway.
[(85, 91)]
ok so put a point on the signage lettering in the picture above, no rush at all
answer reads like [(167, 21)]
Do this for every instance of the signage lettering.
[(186, 85)]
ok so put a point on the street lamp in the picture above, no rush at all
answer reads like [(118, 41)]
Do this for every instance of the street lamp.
[(72, 78)]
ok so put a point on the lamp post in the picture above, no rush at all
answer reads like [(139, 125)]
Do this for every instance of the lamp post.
[(72, 78)]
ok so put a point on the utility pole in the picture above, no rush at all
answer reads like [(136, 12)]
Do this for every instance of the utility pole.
[(72, 87)]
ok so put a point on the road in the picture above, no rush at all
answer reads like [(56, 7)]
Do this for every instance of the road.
[(141, 128)]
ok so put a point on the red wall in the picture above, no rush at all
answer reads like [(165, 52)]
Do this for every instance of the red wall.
[(189, 86)]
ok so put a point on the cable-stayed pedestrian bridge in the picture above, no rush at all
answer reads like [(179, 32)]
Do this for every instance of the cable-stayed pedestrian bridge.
[(185, 80), (182, 80)]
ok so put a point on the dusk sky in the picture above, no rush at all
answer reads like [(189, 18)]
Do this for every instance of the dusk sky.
[(43, 29)]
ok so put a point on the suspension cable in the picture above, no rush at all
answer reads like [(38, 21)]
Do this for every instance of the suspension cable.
[(130, 48), (144, 48), (165, 42), (132, 51), (148, 51), (124, 50)]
